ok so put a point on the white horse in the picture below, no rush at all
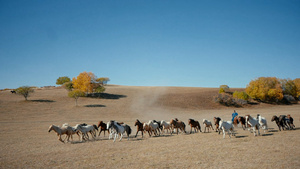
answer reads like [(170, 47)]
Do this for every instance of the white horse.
[(263, 123), (207, 124), (254, 124), (153, 126), (61, 131), (117, 128), (85, 130), (72, 131), (166, 126), (226, 126)]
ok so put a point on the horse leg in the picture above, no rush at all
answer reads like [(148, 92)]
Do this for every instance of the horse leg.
[(137, 133), (115, 137), (121, 136), (59, 138), (100, 132)]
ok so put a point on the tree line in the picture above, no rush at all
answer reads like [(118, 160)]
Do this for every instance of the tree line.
[(262, 89)]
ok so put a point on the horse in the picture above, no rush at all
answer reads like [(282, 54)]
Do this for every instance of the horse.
[(103, 127), (13, 92), (280, 123), (177, 124), (291, 121), (160, 127), (226, 126), (148, 129), (73, 131), (217, 121), (139, 127), (119, 129), (262, 122), (242, 120), (85, 129), (166, 126), (152, 126), (61, 131), (194, 124), (207, 125), (254, 124), (235, 121)]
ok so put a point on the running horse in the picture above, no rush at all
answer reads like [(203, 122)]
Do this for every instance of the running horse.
[(139, 127)]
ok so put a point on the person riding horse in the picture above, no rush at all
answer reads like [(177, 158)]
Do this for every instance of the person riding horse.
[(234, 114)]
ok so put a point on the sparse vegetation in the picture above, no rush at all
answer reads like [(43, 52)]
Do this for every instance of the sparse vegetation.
[(76, 94), (24, 91)]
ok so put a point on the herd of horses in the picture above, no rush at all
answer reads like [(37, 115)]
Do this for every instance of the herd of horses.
[(152, 127)]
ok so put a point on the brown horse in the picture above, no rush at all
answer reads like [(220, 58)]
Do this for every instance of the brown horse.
[(242, 120), (217, 121), (177, 124), (195, 124), (235, 121), (139, 127), (291, 121), (103, 127)]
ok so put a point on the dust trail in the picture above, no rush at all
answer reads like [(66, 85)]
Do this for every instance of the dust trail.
[(144, 104)]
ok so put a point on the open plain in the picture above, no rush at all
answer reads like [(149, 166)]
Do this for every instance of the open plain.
[(26, 143)]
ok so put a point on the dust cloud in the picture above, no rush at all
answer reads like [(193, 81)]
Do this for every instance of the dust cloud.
[(145, 105)]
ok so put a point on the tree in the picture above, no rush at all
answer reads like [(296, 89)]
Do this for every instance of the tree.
[(84, 82), (266, 89), (297, 83), (76, 94), (62, 80), (68, 86), (24, 91), (103, 80), (289, 87)]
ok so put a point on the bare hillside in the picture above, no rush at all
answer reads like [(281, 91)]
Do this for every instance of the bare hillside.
[(26, 142)]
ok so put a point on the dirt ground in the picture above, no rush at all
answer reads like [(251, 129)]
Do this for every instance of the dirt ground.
[(26, 143)]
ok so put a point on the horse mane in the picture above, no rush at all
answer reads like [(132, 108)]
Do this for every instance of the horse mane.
[(192, 120)]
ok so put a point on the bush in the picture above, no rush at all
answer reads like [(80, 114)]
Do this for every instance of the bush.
[(228, 100), (265, 89), (241, 95), (224, 88)]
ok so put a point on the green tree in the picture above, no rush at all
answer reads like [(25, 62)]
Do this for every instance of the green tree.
[(62, 80), (76, 94), (24, 91), (103, 80), (68, 86)]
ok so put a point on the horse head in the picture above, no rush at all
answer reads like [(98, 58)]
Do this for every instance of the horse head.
[(50, 128)]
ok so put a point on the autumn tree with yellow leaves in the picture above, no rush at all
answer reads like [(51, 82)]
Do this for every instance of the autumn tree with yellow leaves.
[(84, 82), (266, 89)]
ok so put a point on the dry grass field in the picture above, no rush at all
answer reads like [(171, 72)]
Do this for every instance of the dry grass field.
[(26, 143)]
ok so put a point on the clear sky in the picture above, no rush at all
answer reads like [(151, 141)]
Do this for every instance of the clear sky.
[(198, 43)]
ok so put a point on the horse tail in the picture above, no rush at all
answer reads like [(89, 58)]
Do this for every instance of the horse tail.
[(129, 130)]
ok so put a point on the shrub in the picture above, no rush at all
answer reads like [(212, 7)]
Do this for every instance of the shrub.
[(266, 89), (224, 88), (241, 95)]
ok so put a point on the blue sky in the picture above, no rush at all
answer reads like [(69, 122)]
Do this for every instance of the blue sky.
[(197, 43)]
